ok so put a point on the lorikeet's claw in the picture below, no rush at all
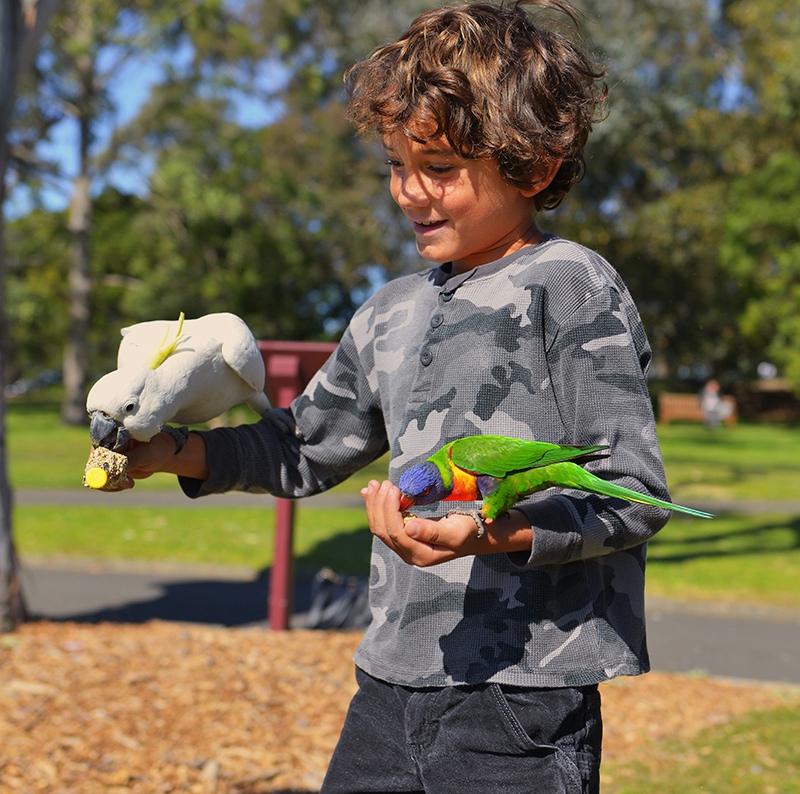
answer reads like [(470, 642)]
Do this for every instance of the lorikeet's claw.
[(476, 516)]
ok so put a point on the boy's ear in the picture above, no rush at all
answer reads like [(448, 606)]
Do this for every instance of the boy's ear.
[(544, 178)]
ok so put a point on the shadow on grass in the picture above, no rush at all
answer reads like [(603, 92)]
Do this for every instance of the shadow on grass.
[(96, 594), (347, 553), (741, 542)]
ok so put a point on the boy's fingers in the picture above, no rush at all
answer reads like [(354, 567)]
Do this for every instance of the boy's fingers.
[(454, 532)]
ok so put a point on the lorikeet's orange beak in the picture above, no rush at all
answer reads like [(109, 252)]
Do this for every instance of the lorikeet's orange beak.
[(406, 502)]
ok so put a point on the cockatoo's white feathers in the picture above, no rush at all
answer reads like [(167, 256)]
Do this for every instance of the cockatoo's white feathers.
[(180, 372)]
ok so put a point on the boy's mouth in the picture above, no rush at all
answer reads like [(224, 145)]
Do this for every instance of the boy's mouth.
[(426, 227)]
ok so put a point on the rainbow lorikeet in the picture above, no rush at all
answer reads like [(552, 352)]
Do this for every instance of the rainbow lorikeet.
[(502, 471)]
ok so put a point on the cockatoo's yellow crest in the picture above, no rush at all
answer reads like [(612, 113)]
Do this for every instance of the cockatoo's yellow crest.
[(166, 348)]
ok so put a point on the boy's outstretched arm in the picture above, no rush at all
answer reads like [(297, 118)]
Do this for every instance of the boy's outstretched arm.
[(158, 455), (423, 542)]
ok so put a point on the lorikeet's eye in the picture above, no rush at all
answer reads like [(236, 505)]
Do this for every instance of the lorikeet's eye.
[(426, 491)]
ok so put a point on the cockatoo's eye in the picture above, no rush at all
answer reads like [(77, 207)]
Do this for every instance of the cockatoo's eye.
[(130, 407)]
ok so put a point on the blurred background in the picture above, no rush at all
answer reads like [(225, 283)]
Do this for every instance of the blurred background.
[(194, 156)]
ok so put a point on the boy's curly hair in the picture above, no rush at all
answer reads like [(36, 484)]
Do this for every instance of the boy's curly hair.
[(493, 83)]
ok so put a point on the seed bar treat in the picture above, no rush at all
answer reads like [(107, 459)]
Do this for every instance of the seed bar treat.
[(105, 469)]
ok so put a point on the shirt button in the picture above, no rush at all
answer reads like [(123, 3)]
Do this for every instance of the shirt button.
[(437, 320), (425, 357)]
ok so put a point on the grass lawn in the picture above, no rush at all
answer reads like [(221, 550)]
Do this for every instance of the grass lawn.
[(743, 462), (736, 557), (44, 454), (241, 536), (753, 754)]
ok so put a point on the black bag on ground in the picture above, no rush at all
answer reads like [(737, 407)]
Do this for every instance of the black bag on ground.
[(338, 602)]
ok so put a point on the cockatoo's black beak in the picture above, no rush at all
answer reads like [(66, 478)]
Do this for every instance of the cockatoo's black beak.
[(107, 432)]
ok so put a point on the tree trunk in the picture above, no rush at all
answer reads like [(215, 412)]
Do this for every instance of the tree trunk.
[(21, 25), (12, 604), (76, 359), (76, 364)]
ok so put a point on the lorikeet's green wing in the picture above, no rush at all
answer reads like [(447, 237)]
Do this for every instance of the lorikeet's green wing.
[(498, 456)]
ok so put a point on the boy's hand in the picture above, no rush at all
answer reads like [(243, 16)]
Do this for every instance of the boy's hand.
[(420, 541), (145, 459), (159, 455)]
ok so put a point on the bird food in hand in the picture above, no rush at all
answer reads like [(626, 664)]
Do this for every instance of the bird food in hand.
[(105, 469)]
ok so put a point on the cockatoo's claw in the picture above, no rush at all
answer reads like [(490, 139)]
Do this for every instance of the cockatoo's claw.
[(476, 516), (179, 435)]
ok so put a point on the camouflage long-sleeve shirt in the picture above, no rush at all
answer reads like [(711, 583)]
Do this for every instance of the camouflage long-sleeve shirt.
[(543, 344)]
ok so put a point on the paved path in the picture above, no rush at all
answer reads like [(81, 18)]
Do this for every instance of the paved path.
[(738, 642)]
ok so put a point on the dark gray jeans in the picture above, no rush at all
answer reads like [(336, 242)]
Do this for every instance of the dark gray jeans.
[(468, 740)]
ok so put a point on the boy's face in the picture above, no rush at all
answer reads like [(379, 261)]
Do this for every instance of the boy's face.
[(462, 211)]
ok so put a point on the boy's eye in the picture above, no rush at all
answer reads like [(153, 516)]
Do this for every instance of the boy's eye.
[(440, 169), (392, 163)]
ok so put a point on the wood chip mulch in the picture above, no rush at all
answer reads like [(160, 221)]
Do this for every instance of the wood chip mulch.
[(164, 707)]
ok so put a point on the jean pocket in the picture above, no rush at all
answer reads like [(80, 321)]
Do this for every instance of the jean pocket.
[(545, 723)]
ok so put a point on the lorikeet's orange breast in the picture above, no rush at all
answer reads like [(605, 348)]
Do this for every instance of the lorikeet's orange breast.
[(465, 486)]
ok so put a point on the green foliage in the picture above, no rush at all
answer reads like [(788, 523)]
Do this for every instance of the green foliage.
[(255, 221), (38, 247), (286, 220), (762, 251), (37, 250)]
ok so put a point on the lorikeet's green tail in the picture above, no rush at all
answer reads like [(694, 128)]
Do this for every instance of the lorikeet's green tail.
[(571, 475)]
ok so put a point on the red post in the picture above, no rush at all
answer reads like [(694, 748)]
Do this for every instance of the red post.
[(290, 366)]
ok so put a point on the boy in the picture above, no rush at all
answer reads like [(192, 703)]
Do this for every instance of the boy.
[(479, 670)]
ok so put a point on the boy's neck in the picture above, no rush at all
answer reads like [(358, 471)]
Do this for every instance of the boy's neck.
[(533, 237)]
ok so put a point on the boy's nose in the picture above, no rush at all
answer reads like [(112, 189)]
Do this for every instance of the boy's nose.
[(410, 190)]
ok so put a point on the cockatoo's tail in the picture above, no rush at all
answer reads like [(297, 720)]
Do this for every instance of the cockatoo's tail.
[(105, 469)]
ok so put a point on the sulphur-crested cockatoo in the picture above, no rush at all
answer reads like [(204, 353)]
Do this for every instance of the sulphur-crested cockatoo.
[(185, 372)]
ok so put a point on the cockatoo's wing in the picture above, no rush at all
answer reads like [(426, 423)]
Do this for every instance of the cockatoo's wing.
[(240, 352), (239, 348)]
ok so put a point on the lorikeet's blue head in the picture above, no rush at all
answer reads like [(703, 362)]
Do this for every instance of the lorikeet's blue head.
[(422, 485)]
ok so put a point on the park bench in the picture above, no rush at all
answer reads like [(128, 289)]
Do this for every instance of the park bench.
[(686, 408)]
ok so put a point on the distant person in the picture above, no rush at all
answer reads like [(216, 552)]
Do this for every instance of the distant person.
[(479, 671), (715, 409)]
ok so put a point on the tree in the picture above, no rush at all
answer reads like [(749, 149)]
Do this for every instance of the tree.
[(38, 260), (653, 200), (21, 25), (761, 241), (284, 221), (762, 251), (221, 62), (85, 48), (275, 223)]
